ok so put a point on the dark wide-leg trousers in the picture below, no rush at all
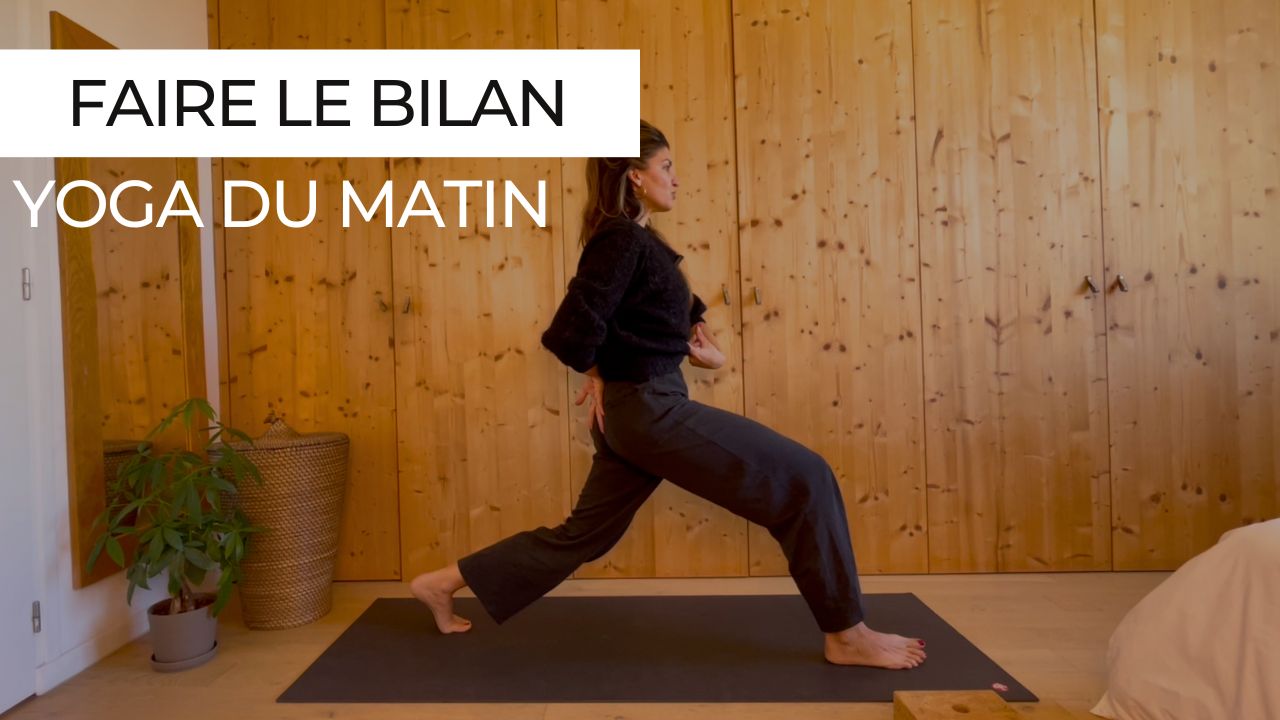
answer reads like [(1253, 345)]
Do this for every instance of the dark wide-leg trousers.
[(654, 431)]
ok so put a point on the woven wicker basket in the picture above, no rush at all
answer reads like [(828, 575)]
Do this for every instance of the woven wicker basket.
[(288, 567), (115, 453)]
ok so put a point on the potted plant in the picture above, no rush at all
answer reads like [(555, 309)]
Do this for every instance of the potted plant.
[(169, 508)]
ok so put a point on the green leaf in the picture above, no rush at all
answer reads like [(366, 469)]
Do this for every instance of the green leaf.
[(199, 559), (215, 501), (193, 506), (173, 539), (137, 579), (203, 407), (254, 472), (180, 492), (224, 596), (165, 423), (120, 516), (156, 481), (238, 435), (96, 551), (155, 548), (115, 551)]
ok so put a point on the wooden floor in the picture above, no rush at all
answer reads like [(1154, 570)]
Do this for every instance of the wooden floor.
[(1049, 631)]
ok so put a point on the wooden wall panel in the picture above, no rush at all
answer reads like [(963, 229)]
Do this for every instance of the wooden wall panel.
[(482, 407), (686, 71), (1015, 348), (892, 310), (826, 177), (309, 322), (1190, 112)]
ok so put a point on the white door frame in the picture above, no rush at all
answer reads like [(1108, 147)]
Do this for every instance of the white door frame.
[(19, 549)]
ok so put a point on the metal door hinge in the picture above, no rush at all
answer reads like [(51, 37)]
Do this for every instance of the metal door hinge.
[(35, 617), (26, 284)]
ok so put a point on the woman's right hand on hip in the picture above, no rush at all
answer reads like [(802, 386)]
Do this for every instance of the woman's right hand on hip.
[(593, 387)]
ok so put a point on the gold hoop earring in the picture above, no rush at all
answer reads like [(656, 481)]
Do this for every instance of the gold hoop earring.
[(642, 190)]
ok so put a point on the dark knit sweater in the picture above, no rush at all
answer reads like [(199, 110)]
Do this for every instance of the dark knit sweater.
[(628, 310)]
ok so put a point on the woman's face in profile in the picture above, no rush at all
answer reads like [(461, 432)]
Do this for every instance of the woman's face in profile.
[(658, 182)]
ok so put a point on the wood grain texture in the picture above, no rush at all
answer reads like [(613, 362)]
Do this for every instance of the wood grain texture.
[(894, 310), (1015, 353), (1190, 113), (220, 293), (310, 335), (86, 483), (211, 19), (219, 249), (66, 34), (826, 203), (950, 705), (686, 91), (483, 435)]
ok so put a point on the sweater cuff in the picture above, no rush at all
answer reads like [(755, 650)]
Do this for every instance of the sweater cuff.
[(571, 354), (697, 311)]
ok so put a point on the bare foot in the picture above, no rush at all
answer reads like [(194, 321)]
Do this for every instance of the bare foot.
[(860, 645), (435, 590)]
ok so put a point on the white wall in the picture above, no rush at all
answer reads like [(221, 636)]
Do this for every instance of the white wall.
[(83, 626), (17, 526)]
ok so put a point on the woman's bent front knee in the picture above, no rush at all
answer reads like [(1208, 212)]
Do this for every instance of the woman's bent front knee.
[(813, 476)]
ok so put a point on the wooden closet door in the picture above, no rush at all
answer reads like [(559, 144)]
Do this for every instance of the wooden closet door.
[(309, 322), (686, 90), (1190, 112), (826, 206), (1014, 339), (481, 406)]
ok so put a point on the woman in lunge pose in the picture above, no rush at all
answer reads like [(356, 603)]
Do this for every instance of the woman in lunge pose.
[(627, 322)]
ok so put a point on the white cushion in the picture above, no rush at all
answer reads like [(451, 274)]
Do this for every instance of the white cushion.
[(1206, 642)]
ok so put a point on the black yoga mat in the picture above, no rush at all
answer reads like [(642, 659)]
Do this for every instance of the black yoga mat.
[(737, 648)]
